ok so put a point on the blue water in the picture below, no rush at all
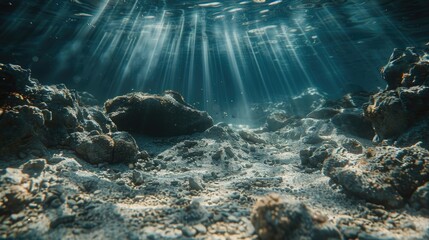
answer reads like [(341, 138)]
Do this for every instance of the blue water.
[(218, 55)]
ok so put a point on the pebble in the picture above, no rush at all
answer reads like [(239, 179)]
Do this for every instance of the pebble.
[(194, 184), (189, 231), (200, 228), (232, 218)]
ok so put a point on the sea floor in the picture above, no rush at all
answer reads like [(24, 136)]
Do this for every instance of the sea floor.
[(183, 192)]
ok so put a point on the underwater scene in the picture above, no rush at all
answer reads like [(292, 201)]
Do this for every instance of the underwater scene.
[(187, 119)]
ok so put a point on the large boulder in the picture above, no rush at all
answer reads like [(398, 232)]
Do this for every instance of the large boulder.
[(382, 175), (395, 110), (156, 115), (275, 218)]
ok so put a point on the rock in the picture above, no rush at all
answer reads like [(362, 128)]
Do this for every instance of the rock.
[(156, 115), (420, 198), (195, 213), (314, 157), (384, 175), (404, 103), (352, 145), (119, 147), (400, 62), (276, 120), (195, 184), (274, 218), (34, 166), (250, 137), (62, 220), (323, 113), (13, 199), (125, 148), (97, 149), (387, 114), (35, 116), (20, 128), (393, 112), (353, 122), (417, 134)]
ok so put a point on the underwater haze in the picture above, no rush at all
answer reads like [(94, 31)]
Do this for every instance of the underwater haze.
[(219, 55)]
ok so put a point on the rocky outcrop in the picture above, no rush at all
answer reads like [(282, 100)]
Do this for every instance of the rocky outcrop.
[(395, 110), (156, 115), (382, 175), (34, 117), (275, 218)]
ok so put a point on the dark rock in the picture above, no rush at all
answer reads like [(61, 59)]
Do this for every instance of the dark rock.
[(387, 114), (195, 213), (13, 199), (420, 198), (62, 220), (323, 113), (353, 122), (156, 115), (35, 116), (125, 149), (195, 184), (97, 149), (21, 125), (314, 157), (352, 145), (400, 62), (385, 175), (393, 112), (416, 134), (34, 166), (274, 218), (276, 120), (404, 103)]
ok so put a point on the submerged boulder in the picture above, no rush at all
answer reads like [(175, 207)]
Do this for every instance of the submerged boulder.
[(156, 115), (382, 175), (395, 110), (275, 218)]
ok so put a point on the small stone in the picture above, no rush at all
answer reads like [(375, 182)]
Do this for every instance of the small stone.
[(195, 184), (232, 218), (200, 228), (17, 217), (34, 166), (189, 231)]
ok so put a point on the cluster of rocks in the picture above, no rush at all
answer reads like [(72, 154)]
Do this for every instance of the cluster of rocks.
[(400, 113), (395, 170), (34, 117)]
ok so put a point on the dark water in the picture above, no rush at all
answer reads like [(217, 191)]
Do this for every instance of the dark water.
[(217, 54)]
